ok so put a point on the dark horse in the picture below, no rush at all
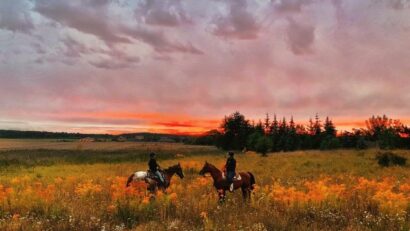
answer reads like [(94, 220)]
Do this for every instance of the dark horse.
[(152, 184), (246, 183)]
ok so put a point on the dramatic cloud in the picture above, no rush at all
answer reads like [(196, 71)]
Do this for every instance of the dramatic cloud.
[(238, 23), (96, 21), (169, 13), (180, 66), (15, 16), (117, 60), (289, 6), (90, 20), (160, 43), (300, 37)]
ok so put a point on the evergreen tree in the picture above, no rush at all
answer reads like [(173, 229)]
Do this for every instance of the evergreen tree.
[(291, 143), (317, 126), (263, 145), (329, 128), (274, 133), (316, 139), (283, 134), (259, 128), (252, 141), (311, 127), (267, 124)]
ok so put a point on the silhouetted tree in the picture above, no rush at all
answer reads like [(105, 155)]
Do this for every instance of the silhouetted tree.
[(283, 134), (385, 131), (274, 134), (291, 143), (236, 130), (329, 128), (267, 125), (259, 128), (237, 133)]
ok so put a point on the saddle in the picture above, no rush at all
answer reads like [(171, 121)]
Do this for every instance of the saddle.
[(236, 177), (154, 176)]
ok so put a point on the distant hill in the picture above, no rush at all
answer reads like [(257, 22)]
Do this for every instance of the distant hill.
[(143, 136)]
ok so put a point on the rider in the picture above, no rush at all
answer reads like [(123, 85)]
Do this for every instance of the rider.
[(154, 167), (230, 167)]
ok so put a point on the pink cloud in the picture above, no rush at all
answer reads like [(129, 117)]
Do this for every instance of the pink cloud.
[(182, 66)]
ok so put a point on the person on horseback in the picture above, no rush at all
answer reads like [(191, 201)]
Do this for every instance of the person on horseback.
[(230, 168), (155, 168)]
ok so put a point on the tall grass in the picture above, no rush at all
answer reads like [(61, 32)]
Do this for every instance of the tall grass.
[(315, 190)]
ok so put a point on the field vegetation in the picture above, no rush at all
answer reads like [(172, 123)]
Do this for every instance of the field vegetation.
[(83, 188)]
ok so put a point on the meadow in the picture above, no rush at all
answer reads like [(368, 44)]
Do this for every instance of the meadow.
[(51, 185)]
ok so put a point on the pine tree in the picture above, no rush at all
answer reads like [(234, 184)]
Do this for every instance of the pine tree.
[(274, 133), (259, 128), (291, 139), (283, 134), (317, 126), (311, 127), (267, 124), (329, 128)]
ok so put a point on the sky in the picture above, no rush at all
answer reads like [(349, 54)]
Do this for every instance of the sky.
[(174, 66)]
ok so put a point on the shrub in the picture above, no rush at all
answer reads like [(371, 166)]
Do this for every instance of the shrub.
[(253, 140), (263, 145), (388, 140), (386, 159), (361, 143), (330, 143)]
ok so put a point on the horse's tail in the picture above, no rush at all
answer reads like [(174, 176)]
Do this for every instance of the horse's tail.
[(253, 182), (130, 179)]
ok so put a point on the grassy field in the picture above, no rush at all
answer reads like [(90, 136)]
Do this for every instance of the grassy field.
[(51, 185)]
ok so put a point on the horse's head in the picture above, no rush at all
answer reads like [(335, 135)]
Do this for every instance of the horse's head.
[(179, 171), (205, 169)]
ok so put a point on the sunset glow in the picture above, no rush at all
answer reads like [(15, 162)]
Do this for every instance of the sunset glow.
[(101, 66)]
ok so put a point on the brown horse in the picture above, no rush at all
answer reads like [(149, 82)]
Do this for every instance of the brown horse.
[(153, 184), (246, 183)]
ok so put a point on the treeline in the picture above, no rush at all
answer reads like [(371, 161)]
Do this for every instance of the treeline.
[(274, 135), (14, 134), (144, 136)]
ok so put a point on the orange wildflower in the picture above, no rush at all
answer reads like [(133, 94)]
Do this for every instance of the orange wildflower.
[(88, 188)]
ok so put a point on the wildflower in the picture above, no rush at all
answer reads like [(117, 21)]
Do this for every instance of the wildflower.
[(58, 180), (88, 188), (173, 196), (15, 181), (204, 215), (15, 217), (146, 200), (111, 208)]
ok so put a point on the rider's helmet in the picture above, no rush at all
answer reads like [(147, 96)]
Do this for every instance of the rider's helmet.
[(152, 155), (230, 153)]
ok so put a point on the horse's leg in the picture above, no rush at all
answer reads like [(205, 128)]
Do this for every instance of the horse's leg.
[(221, 194), (244, 193), (130, 179)]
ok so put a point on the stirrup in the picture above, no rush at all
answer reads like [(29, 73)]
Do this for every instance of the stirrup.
[(231, 187)]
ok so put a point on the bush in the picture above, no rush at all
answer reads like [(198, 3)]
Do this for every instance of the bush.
[(361, 144), (253, 140), (330, 143), (388, 140), (263, 145), (386, 159)]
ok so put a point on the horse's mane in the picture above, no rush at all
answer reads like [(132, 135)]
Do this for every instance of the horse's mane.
[(173, 168), (213, 167)]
